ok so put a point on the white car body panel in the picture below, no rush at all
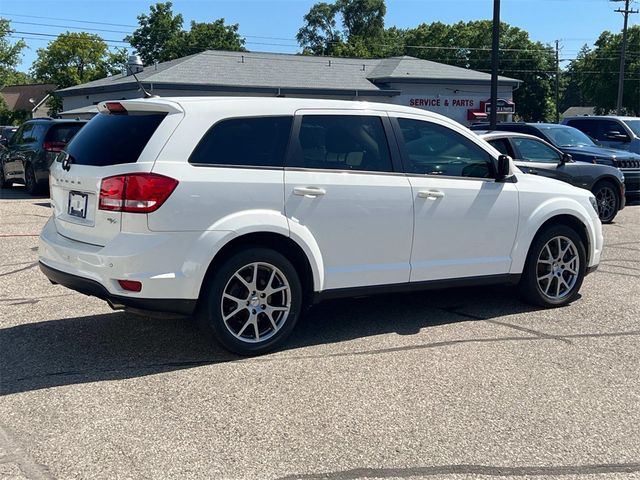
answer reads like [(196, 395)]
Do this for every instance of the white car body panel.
[(362, 232)]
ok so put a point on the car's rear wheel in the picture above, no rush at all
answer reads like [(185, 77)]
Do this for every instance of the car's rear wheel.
[(4, 183), (555, 267), (253, 302), (608, 200), (33, 188)]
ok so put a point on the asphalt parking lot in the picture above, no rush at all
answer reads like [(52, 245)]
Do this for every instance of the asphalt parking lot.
[(458, 384)]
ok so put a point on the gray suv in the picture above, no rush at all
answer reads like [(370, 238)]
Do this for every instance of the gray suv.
[(614, 132)]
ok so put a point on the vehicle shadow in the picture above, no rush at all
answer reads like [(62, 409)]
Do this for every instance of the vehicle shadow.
[(18, 192), (121, 345)]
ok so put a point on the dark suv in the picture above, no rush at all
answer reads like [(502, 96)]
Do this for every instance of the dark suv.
[(31, 150), (581, 148)]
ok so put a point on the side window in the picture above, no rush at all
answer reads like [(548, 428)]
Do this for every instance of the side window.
[(611, 131), (433, 149), (256, 141), (24, 130), (588, 127), (534, 151), (502, 145), (32, 134), (343, 142)]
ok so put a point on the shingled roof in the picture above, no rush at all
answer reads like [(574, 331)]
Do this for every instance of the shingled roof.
[(241, 71), (17, 97)]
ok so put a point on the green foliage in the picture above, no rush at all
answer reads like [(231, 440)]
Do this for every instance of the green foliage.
[(73, 58), (594, 74), (468, 45), (160, 36), (362, 33), (10, 54), (156, 31)]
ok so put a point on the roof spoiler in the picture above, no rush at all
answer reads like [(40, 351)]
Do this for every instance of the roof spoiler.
[(150, 105)]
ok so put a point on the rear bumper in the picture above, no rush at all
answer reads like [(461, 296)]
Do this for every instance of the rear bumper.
[(94, 289)]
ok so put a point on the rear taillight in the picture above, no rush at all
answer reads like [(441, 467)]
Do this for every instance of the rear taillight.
[(135, 192), (53, 146)]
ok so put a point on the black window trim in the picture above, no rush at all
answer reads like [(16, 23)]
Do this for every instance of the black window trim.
[(244, 167), (294, 148), (405, 155)]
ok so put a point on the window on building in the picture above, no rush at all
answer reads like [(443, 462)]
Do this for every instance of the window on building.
[(343, 142), (434, 149), (256, 141)]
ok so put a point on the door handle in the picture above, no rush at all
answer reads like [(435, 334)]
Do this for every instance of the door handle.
[(432, 194), (309, 192)]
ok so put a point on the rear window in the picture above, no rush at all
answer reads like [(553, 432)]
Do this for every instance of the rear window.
[(113, 139), (63, 132)]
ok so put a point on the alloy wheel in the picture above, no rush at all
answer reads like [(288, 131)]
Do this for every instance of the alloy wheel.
[(606, 199), (256, 302), (558, 265)]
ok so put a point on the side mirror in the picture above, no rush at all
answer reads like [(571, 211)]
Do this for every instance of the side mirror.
[(616, 136), (503, 167), (565, 158)]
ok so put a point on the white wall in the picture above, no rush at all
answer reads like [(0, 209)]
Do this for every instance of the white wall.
[(450, 100)]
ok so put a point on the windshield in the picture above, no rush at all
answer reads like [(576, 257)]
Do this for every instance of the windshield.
[(562, 136), (634, 125)]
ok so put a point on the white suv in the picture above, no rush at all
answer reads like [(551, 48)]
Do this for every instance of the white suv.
[(246, 210)]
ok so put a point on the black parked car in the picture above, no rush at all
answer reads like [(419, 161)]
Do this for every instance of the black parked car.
[(537, 157), (32, 149), (6, 132), (581, 148)]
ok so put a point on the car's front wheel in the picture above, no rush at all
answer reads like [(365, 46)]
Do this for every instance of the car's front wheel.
[(555, 267), (253, 301), (608, 200)]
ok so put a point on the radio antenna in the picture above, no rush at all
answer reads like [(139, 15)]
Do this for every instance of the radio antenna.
[(144, 91)]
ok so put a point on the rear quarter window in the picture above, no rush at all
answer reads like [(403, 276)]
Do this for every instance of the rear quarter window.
[(256, 141), (113, 139)]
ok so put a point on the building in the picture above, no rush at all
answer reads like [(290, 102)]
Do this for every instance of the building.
[(458, 93), (28, 101)]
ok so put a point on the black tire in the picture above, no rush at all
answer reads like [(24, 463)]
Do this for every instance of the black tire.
[(33, 188), (532, 283), (4, 183), (245, 339), (608, 198)]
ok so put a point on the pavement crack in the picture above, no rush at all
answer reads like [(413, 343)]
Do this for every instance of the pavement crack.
[(19, 269), (538, 333), (463, 469)]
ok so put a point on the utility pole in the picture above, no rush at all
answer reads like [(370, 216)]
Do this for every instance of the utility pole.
[(557, 81), (495, 45), (626, 12)]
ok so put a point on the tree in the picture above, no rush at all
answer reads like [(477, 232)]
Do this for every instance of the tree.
[(206, 36), (362, 31), (74, 58), (594, 73), (155, 32), (10, 54), (468, 45), (160, 36)]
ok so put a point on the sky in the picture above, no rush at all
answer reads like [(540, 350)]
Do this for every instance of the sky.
[(271, 25)]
